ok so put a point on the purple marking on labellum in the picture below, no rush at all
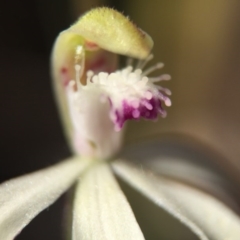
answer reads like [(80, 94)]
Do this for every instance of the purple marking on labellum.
[(148, 109)]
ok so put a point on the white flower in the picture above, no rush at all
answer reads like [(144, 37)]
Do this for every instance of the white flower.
[(94, 113)]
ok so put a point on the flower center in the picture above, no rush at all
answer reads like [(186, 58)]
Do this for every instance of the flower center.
[(130, 92)]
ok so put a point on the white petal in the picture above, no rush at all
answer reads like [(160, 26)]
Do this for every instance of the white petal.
[(205, 216), (185, 164), (22, 198), (101, 210)]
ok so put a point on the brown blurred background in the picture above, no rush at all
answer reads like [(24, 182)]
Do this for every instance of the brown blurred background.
[(199, 41)]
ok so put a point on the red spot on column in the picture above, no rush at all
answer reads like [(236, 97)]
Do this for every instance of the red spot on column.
[(65, 76), (91, 46)]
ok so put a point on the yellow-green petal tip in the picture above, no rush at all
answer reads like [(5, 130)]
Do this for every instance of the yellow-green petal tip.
[(113, 32)]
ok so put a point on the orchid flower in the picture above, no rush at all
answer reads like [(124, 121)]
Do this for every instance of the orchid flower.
[(95, 100)]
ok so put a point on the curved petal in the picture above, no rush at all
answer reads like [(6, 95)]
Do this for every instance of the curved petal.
[(93, 42), (185, 163), (207, 217), (22, 198), (101, 210), (113, 32)]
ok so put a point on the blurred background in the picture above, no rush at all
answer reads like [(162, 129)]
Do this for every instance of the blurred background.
[(199, 42)]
